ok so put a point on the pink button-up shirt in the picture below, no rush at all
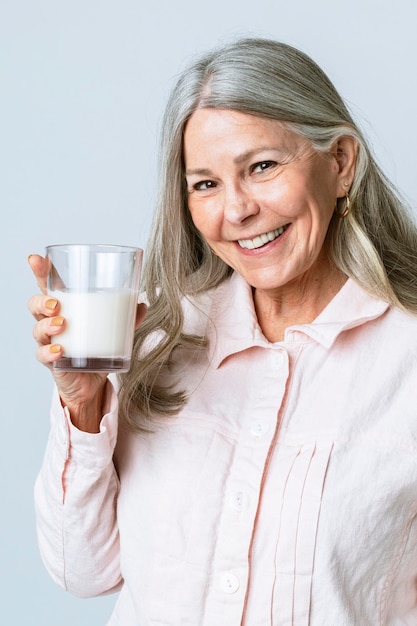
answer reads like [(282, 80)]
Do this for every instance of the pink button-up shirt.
[(285, 492)]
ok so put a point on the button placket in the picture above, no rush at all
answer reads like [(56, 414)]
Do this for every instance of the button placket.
[(260, 404)]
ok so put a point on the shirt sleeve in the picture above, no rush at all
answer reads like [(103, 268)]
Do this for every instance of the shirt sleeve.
[(75, 503)]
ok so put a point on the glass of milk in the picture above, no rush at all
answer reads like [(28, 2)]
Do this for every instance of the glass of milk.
[(97, 288)]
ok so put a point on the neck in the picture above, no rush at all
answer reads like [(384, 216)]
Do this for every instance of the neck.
[(298, 302)]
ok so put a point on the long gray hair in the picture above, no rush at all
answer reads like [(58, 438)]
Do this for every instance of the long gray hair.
[(376, 244)]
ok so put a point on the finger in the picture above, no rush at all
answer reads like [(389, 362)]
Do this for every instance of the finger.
[(140, 314), (47, 328), (43, 306), (49, 353), (40, 267)]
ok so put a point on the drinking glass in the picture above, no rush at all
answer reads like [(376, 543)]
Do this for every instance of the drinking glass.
[(97, 288)]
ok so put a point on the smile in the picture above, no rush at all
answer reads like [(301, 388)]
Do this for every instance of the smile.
[(261, 240)]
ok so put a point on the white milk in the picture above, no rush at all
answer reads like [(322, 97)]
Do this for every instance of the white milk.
[(98, 323)]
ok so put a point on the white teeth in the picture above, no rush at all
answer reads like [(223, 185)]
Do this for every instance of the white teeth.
[(261, 240)]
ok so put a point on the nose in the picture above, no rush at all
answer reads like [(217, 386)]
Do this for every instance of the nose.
[(239, 204)]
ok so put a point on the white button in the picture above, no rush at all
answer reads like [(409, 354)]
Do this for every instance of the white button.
[(277, 359), (229, 583), (236, 500), (259, 428)]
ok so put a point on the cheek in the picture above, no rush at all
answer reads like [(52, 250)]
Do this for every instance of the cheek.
[(198, 220), (195, 215), (312, 214), (288, 197), (319, 205), (205, 220)]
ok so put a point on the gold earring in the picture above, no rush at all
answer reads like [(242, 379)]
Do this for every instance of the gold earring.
[(346, 207)]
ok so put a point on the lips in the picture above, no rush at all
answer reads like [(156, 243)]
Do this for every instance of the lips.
[(261, 240)]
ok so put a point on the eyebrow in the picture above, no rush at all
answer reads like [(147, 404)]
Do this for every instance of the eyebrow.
[(249, 154), (199, 172), (242, 158)]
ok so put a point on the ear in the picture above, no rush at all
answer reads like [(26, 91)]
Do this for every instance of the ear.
[(344, 152)]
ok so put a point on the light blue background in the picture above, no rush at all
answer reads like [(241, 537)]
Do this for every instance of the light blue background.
[(82, 88)]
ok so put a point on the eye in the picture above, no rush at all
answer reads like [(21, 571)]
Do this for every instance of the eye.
[(262, 166), (203, 185)]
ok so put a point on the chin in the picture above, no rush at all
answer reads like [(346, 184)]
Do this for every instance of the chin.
[(265, 283)]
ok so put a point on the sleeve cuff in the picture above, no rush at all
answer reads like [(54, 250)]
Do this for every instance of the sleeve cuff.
[(94, 450)]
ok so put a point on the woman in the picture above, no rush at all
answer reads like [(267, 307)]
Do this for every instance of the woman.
[(258, 463)]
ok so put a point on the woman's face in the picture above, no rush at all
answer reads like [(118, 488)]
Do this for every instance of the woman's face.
[(259, 195)]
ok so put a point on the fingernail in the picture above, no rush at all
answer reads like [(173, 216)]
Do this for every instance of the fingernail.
[(29, 257), (54, 348), (57, 321), (51, 304)]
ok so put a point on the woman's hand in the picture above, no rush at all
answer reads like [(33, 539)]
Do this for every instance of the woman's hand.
[(82, 393)]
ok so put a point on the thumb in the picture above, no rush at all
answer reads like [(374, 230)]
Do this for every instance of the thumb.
[(40, 266)]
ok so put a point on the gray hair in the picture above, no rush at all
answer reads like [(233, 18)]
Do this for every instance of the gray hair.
[(375, 244)]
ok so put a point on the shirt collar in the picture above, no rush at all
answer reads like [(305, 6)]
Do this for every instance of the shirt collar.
[(235, 327)]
